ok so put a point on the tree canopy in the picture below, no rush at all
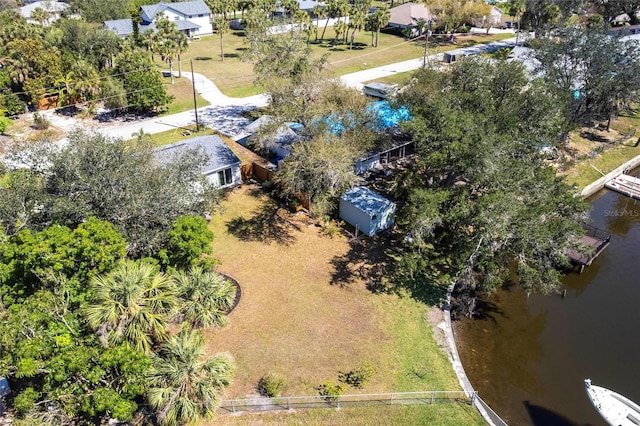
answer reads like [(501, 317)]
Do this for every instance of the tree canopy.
[(593, 75), (93, 175), (482, 204)]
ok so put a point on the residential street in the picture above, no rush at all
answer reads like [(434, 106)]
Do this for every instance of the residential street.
[(224, 113)]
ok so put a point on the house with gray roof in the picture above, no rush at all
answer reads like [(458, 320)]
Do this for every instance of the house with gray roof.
[(191, 17), (222, 167)]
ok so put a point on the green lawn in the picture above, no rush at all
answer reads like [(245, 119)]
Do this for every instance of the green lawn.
[(432, 415), (582, 173), (182, 91), (235, 77)]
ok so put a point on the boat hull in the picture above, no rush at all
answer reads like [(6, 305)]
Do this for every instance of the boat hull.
[(614, 408)]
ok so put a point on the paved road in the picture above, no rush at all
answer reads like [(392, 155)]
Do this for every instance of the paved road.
[(224, 113)]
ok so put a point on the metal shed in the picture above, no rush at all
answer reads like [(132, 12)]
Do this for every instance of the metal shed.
[(366, 210)]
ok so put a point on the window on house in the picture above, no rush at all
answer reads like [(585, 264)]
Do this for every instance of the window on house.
[(176, 18), (201, 15), (225, 177)]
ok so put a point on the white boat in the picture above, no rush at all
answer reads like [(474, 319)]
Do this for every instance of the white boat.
[(613, 407), (625, 184)]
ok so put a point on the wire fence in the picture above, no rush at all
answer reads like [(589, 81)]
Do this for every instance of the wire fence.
[(298, 402)]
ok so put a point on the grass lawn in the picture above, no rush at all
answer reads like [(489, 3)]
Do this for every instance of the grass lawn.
[(182, 90), (292, 322), (432, 415), (582, 173), (236, 78)]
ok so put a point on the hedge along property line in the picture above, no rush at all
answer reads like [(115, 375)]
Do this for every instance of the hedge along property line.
[(596, 186)]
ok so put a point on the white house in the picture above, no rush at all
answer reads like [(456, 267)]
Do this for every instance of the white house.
[(191, 17), (53, 10), (222, 167)]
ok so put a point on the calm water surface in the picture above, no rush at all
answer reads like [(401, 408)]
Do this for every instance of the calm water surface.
[(529, 357)]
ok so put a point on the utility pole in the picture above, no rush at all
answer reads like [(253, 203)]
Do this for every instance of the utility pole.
[(195, 104), (426, 43)]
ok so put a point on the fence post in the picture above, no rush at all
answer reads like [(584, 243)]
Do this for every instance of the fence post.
[(432, 397), (338, 400), (233, 406), (474, 395), (288, 403)]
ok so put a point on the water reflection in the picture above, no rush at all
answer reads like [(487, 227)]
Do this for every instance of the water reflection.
[(529, 357)]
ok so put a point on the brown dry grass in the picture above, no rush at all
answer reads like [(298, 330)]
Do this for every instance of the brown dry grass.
[(289, 320)]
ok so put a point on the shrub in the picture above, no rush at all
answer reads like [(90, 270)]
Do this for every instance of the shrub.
[(358, 376), (271, 385), (11, 103), (40, 122), (330, 391), (4, 124), (331, 228)]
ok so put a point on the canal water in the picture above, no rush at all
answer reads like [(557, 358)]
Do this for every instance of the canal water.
[(529, 355)]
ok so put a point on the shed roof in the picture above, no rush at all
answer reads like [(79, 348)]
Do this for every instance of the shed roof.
[(408, 14), (366, 200), (219, 155)]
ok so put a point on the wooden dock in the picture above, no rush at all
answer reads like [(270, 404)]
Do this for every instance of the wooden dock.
[(596, 240), (625, 184)]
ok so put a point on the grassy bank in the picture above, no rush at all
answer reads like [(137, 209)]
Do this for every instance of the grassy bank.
[(599, 150), (433, 415)]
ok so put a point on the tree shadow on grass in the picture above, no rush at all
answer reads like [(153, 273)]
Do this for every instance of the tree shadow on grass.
[(594, 137), (268, 225), (375, 261)]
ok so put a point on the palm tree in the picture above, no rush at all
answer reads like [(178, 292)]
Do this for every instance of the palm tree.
[(206, 297), (87, 83), (331, 13), (319, 11), (184, 387), (182, 44), (222, 27), (133, 304), (382, 19), (356, 22), (516, 9), (67, 92)]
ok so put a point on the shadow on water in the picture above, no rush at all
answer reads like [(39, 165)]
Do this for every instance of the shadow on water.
[(541, 416)]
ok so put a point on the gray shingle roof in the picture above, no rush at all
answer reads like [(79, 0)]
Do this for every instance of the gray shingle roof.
[(186, 8), (122, 27), (219, 155), (185, 24)]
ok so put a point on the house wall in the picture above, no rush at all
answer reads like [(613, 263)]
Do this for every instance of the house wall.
[(355, 217), (203, 21), (236, 176)]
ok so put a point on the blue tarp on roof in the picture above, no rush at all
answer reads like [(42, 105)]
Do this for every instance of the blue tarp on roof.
[(383, 114)]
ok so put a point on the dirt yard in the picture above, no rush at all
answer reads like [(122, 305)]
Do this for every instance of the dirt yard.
[(290, 321)]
